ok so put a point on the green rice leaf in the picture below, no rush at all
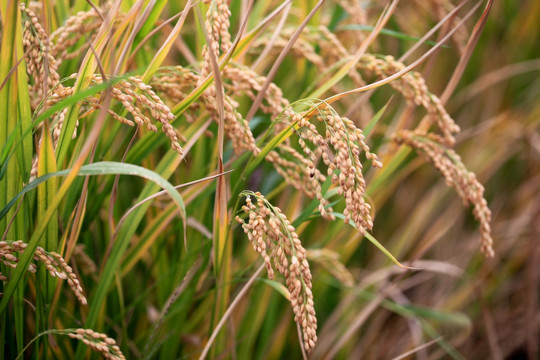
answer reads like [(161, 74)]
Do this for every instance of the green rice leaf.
[(100, 168), (374, 241)]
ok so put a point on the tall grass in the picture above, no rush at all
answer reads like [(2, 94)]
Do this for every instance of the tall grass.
[(377, 160)]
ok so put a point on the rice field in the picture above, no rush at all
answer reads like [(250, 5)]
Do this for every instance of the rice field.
[(300, 179)]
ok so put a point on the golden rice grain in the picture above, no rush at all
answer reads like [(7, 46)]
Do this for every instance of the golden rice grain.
[(53, 262), (275, 239), (449, 163), (98, 342)]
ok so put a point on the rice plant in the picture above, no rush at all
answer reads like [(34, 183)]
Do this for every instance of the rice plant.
[(375, 158)]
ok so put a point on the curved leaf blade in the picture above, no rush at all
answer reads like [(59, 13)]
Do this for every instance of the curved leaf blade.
[(99, 168)]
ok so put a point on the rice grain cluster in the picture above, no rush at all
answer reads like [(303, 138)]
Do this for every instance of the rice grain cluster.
[(275, 239)]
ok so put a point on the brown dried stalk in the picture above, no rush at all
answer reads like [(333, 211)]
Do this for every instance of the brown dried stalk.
[(449, 163), (53, 262), (275, 239), (441, 8)]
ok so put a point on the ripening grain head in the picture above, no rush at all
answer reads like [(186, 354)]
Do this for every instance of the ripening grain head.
[(53, 262), (98, 342), (449, 163), (275, 239)]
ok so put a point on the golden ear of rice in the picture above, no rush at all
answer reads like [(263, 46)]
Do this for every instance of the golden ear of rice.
[(98, 342), (53, 262), (275, 239), (449, 164)]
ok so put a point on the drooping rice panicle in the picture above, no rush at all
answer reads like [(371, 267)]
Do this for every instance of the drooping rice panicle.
[(449, 163), (275, 239), (53, 262)]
